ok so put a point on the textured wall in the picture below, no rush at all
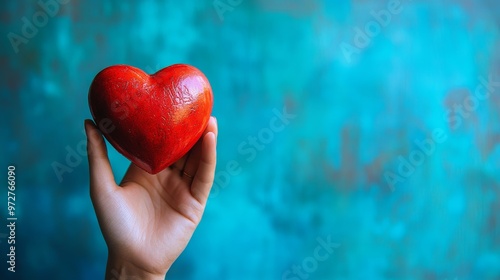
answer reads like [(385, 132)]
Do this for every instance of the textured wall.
[(390, 150)]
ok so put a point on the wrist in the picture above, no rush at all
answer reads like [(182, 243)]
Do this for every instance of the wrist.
[(119, 269)]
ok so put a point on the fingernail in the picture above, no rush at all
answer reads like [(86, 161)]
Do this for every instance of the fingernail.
[(88, 124), (85, 125)]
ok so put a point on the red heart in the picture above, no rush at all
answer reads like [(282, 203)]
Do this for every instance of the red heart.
[(153, 120)]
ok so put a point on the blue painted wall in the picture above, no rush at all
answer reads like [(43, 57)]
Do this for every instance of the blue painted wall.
[(391, 151)]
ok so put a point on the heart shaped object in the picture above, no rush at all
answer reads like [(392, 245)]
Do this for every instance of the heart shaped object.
[(153, 120)]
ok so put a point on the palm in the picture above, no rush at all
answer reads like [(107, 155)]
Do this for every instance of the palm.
[(149, 219)]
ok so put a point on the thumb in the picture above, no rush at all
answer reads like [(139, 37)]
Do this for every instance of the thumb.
[(101, 176)]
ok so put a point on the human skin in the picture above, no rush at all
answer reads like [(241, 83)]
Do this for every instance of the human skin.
[(147, 220)]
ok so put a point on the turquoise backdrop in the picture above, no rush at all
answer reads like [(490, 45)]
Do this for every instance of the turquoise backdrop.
[(358, 139)]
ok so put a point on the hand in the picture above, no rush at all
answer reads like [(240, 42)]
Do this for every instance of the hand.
[(148, 220)]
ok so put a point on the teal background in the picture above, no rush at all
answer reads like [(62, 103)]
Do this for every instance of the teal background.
[(357, 118)]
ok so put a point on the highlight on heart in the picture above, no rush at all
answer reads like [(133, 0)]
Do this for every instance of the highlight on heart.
[(153, 120)]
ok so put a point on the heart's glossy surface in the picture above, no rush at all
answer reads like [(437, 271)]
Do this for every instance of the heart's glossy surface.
[(153, 120)]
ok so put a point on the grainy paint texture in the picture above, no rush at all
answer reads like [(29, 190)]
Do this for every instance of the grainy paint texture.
[(357, 121)]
